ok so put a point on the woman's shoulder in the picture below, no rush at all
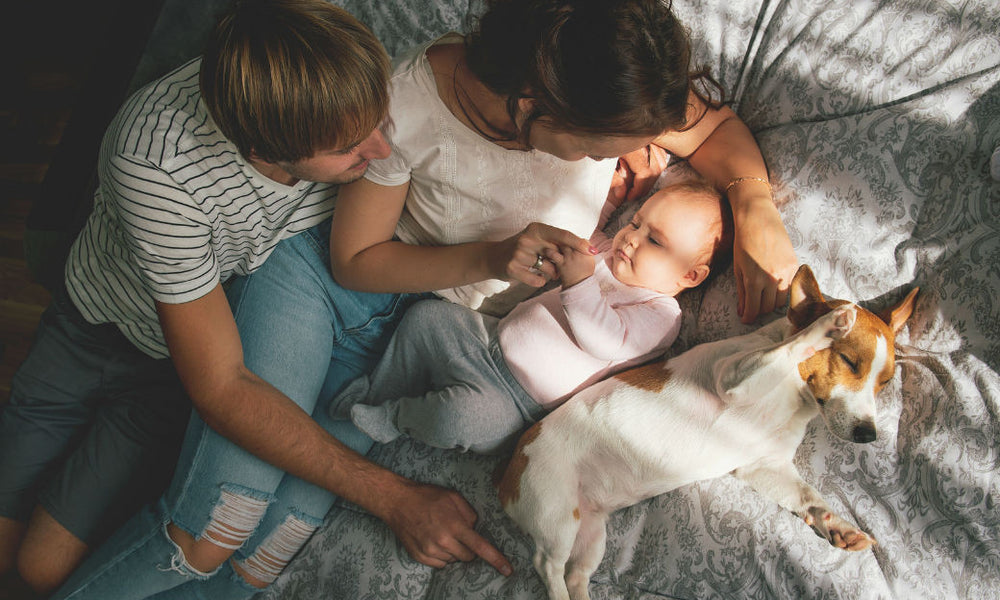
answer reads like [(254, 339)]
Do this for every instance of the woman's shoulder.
[(415, 59), (415, 94)]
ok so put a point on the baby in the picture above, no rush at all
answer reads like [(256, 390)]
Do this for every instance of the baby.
[(455, 378)]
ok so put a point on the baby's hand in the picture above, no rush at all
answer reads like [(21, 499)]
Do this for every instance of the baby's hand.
[(574, 267)]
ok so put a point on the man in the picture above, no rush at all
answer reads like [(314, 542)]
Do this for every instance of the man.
[(202, 174)]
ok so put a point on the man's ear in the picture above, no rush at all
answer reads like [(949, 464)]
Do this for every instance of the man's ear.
[(256, 157)]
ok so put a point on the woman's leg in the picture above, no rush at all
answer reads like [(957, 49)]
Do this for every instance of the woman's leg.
[(298, 509), (295, 325), (359, 324)]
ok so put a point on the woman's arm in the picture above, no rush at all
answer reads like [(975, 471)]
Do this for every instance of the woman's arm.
[(363, 255), (722, 149)]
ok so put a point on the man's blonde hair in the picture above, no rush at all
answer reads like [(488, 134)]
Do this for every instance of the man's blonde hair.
[(284, 79)]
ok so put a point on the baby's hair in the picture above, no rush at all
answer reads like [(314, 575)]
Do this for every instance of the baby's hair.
[(593, 67), (718, 250)]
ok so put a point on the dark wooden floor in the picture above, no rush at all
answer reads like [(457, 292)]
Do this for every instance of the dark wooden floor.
[(48, 51), (43, 75), (67, 63)]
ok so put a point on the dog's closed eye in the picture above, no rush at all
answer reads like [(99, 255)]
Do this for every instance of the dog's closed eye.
[(853, 365)]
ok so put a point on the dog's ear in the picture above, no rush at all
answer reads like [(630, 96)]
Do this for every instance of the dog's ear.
[(805, 301), (897, 315)]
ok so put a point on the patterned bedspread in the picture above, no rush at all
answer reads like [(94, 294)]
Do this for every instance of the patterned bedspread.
[(877, 120)]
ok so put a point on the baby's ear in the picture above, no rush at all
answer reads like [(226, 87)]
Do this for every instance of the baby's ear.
[(695, 276)]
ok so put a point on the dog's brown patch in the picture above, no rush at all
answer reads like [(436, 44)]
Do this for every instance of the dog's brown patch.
[(652, 377), (830, 368), (576, 513), (509, 487)]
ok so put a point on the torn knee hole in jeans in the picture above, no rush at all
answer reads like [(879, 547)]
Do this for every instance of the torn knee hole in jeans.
[(275, 552), (234, 519)]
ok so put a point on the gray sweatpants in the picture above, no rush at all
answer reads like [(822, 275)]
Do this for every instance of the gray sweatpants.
[(442, 381)]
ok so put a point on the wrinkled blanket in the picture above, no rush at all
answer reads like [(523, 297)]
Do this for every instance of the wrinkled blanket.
[(877, 121)]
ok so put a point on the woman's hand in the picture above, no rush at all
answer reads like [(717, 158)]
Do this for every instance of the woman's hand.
[(636, 173), (764, 261), (531, 255)]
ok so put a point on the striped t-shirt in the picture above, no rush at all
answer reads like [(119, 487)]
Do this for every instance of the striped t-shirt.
[(177, 211)]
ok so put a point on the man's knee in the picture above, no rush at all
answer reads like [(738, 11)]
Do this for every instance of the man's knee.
[(11, 534), (48, 553)]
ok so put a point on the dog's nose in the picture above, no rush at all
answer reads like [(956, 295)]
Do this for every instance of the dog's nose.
[(864, 433)]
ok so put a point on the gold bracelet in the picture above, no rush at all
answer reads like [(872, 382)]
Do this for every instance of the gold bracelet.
[(742, 179)]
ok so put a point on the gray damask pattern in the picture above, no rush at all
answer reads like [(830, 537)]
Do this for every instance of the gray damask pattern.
[(877, 120)]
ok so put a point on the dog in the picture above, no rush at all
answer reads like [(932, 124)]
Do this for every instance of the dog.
[(738, 405)]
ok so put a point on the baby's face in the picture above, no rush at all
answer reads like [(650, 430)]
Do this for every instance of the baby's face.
[(665, 240)]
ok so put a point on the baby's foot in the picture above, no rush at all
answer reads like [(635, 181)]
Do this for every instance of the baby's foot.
[(353, 393), (375, 421)]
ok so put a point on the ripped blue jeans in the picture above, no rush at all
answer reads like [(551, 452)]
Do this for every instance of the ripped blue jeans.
[(306, 336)]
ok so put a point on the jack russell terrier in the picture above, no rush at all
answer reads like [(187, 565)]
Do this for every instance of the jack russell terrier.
[(738, 405)]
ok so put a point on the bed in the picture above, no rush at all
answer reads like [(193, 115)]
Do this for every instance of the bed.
[(878, 121)]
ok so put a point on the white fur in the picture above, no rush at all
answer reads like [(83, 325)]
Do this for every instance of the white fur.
[(735, 406)]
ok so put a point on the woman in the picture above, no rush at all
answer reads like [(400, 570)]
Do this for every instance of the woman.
[(537, 80)]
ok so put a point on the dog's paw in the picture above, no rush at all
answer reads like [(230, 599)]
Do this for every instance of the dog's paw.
[(820, 335), (837, 531), (838, 322)]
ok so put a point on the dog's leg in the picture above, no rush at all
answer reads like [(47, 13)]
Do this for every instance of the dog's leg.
[(588, 550), (781, 482), (550, 563), (750, 374), (554, 529)]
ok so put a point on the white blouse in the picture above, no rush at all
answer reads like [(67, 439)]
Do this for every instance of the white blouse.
[(464, 188)]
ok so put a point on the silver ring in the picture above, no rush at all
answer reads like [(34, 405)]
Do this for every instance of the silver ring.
[(538, 263)]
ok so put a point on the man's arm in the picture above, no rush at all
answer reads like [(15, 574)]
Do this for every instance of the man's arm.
[(435, 525)]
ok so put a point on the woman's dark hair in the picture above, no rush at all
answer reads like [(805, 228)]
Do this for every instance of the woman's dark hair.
[(600, 67)]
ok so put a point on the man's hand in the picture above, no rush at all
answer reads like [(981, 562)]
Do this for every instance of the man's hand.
[(764, 261), (436, 526)]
